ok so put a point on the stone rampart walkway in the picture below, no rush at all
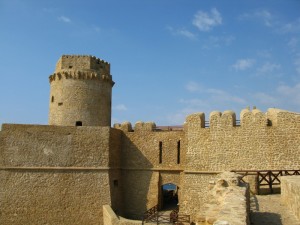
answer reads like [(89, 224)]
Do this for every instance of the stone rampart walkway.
[(269, 210)]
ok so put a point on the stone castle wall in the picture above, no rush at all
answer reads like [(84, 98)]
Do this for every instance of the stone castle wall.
[(262, 142), (58, 175), (82, 63), (126, 166), (149, 160), (256, 144)]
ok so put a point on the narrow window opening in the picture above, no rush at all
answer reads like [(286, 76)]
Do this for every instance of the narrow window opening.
[(178, 152), (60, 103), (116, 183), (160, 152), (70, 67), (52, 99), (78, 123)]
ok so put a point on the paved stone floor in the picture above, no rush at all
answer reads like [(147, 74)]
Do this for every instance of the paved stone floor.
[(269, 210)]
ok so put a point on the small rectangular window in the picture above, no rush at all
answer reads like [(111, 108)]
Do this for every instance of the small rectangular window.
[(178, 152), (116, 183), (160, 152), (52, 99), (60, 104), (78, 123)]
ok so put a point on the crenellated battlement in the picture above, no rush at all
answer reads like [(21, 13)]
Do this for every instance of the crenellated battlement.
[(126, 126), (254, 117), (223, 120), (139, 126), (82, 62), (248, 118), (81, 75)]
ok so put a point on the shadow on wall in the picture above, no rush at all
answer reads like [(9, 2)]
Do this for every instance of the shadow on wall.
[(115, 173), (259, 218), (139, 184)]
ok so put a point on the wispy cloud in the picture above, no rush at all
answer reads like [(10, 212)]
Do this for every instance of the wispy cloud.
[(291, 93), (293, 43), (291, 27), (268, 68), (64, 19), (243, 64), (211, 99), (217, 95), (49, 10), (120, 107), (297, 64), (192, 86), (266, 99), (205, 21), (182, 32), (264, 54), (261, 15), (186, 33), (284, 96), (217, 41)]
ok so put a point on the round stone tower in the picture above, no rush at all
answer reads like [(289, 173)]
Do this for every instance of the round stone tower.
[(80, 92)]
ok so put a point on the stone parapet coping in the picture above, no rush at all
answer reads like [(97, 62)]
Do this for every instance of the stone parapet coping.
[(57, 168), (108, 168)]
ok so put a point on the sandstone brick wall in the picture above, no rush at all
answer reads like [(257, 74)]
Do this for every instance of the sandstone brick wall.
[(253, 145), (52, 146), (58, 175), (194, 192), (82, 62), (149, 160), (262, 142), (110, 218), (140, 192), (290, 193), (128, 165), (53, 197), (141, 147)]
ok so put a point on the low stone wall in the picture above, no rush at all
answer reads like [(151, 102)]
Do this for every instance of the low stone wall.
[(228, 202), (110, 218), (290, 193)]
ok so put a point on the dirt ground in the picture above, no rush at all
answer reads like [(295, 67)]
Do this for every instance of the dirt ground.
[(269, 210)]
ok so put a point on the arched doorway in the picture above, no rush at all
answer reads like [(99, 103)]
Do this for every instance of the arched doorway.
[(169, 196)]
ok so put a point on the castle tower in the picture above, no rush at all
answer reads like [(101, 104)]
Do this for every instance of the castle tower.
[(80, 92)]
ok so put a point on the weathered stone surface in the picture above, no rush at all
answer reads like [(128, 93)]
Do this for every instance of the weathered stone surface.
[(58, 175), (290, 193), (228, 202), (81, 89)]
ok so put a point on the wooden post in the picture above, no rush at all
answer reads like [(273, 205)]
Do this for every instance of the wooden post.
[(270, 181), (257, 183)]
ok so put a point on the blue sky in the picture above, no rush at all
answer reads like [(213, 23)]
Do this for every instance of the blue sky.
[(169, 58)]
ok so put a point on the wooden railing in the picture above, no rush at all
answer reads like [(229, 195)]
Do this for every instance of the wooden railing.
[(152, 215), (267, 177), (175, 217)]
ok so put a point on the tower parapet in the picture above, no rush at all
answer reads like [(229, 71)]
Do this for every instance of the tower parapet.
[(81, 89)]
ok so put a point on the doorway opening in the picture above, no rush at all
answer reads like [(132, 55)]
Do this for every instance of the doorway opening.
[(169, 197)]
